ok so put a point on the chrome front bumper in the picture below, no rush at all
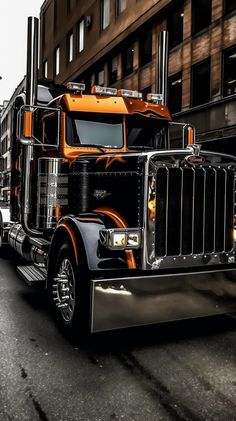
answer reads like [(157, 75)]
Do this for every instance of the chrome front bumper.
[(135, 301)]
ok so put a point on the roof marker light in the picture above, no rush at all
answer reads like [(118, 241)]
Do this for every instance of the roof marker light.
[(101, 90), (129, 94), (155, 98), (77, 87)]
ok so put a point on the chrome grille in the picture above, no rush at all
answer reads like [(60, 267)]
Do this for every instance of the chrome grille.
[(194, 210)]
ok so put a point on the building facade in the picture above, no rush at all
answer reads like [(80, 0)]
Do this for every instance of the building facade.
[(6, 127), (115, 43)]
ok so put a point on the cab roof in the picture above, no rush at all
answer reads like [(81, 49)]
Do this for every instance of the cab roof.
[(111, 104)]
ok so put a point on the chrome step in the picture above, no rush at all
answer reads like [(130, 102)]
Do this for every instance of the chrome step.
[(32, 275), (41, 243)]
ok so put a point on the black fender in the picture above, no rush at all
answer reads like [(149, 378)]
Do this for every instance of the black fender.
[(83, 232)]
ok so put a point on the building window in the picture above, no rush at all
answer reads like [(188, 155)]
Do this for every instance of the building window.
[(55, 14), (43, 29), (70, 47), (80, 34), (57, 61), (100, 77), (45, 69), (87, 80), (127, 60), (229, 72), (68, 6), (201, 14), (201, 83), (229, 6), (121, 6), (113, 67), (105, 13), (145, 91), (175, 25), (145, 47), (175, 93)]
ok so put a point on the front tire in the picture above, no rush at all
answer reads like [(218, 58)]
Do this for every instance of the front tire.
[(68, 288)]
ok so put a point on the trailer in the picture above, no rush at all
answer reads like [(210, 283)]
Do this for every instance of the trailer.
[(122, 228)]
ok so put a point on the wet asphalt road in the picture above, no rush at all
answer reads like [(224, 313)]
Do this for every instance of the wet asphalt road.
[(179, 371)]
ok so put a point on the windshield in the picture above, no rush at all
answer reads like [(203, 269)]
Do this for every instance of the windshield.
[(100, 129), (145, 131)]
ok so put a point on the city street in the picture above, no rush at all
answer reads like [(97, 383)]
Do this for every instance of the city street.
[(179, 371)]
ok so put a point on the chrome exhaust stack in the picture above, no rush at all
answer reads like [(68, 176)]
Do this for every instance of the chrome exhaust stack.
[(31, 99), (162, 81), (32, 61)]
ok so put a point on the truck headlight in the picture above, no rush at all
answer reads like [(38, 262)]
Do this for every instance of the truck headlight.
[(119, 238)]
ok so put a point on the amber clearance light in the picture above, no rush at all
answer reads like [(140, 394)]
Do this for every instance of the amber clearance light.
[(152, 208)]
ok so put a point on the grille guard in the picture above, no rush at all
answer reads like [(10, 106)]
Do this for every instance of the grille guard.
[(177, 159)]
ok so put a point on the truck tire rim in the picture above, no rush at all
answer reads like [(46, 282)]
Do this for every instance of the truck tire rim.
[(64, 290)]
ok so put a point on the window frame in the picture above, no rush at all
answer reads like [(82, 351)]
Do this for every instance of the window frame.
[(55, 15), (226, 12), (194, 66), (70, 47), (80, 40), (45, 69), (142, 34), (57, 61), (103, 14), (110, 71), (124, 60), (118, 11), (195, 31), (177, 76), (178, 7), (101, 73), (224, 52)]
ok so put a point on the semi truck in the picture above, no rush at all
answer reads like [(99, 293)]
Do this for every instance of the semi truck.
[(122, 227)]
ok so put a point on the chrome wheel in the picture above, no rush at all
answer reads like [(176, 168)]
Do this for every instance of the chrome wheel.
[(64, 290)]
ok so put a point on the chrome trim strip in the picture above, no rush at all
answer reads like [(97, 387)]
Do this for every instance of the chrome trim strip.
[(204, 212), (181, 213), (225, 205), (145, 257), (193, 208), (215, 202), (167, 209)]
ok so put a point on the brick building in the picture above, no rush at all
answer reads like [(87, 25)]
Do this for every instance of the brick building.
[(6, 129), (114, 43)]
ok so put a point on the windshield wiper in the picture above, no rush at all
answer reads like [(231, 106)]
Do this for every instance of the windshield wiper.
[(140, 147), (92, 145)]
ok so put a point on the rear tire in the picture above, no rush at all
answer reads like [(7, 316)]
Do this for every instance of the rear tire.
[(68, 288)]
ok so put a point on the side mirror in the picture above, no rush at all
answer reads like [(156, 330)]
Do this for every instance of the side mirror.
[(183, 134), (28, 128)]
